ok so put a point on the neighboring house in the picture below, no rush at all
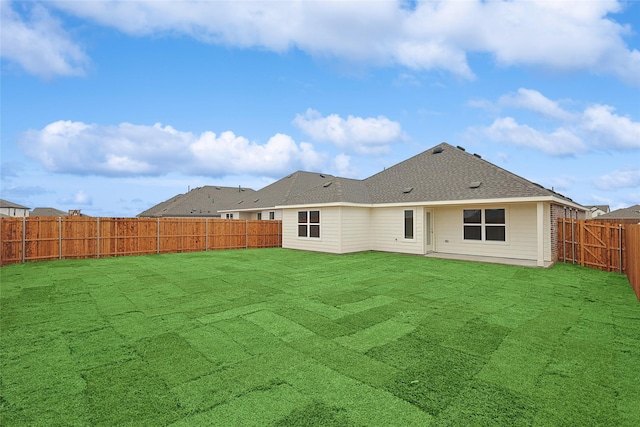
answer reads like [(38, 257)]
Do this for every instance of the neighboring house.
[(443, 200), (48, 212), (262, 204), (200, 202), (11, 209), (627, 214), (598, 210)]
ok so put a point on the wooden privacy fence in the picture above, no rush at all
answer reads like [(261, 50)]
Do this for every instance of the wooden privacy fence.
[(46, 238), (592, 244), (602, 245)]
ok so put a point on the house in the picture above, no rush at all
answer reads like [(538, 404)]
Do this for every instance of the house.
[(443, 201), (53, 212), (628, 215), (11, 209), (598, 210), (199, 202)]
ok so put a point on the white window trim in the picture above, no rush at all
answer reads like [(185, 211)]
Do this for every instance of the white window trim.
[(412, 239), (308, 224), (482, 224)]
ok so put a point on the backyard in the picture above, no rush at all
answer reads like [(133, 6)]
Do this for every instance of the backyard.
[(287, 338)]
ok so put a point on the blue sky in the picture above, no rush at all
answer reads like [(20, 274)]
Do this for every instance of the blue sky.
[(114, 106)]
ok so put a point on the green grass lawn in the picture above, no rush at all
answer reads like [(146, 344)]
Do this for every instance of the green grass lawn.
[(287, 338)]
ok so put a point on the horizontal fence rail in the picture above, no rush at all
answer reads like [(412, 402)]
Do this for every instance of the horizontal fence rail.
[(46, 238), (602, 245)]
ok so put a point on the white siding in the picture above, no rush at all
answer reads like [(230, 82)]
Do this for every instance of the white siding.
[(254, 215), (15, 212), (520, 233), (342, 230), (387, 230), (355, 230), (329, 240)]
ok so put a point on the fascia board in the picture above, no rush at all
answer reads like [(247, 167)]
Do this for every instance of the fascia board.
[(443, 203)]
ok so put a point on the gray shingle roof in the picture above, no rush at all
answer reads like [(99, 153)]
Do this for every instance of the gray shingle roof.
[(442, 173), (48, 212), (200, 202), (335, 190), (8, 204), (280, 191), (632, 212), (445, 173)]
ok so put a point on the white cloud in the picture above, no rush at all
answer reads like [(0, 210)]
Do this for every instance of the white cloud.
[(138, 150), (609, 130), (560, 142), (595, 128), (79, 198), (535, 101), (371, 135), (557, 35), (619, 179), (342, 166), (39, 44)]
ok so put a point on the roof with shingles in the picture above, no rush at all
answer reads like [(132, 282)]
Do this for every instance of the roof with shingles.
[(48, 212), (632, 212), (336, 190), (445, 173), (8, 204), (281, 191), (200, 202), (442, 173)]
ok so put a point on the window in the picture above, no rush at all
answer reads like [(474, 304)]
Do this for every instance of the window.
[(230, 216), (272, 215), (259, 215), (309, 224), (489, 227), (408, 224)]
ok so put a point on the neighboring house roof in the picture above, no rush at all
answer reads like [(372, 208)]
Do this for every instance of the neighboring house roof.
[(280, 191), (603, 208), (632, 212), (442, 173), (199, 202), (7, 204), (48, 212)]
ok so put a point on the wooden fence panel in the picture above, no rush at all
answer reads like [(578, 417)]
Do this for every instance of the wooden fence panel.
[(46, 238), (632, 232), (592, 244), (11, 241)]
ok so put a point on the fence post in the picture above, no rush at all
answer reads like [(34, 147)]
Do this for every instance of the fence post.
[(158, 237), (582, 244), (573, 242), (24, 237), (246, 233), (564, 258), (98, 238), (59, 237), (206, 234), (620, 246)]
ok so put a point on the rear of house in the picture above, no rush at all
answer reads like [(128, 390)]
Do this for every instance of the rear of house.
[(443, 200)]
